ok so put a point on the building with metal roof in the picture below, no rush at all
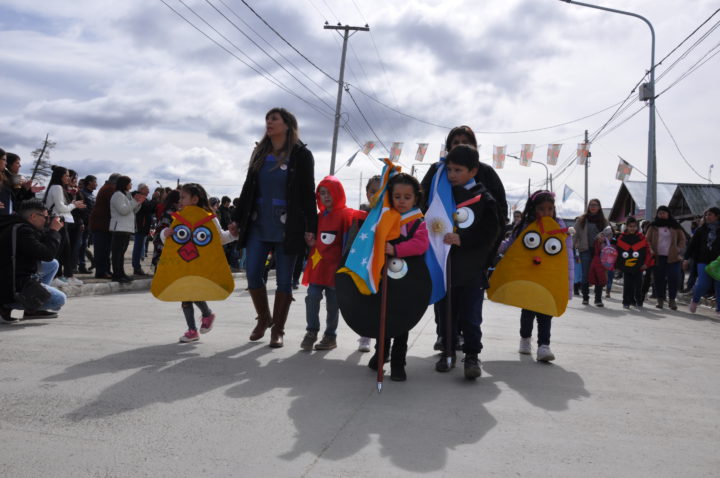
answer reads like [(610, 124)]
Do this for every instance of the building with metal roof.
[(691, 200), (630, 199)]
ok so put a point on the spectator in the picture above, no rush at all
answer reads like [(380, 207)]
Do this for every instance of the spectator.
[(22, 189), (5, 189), (35, 244), (169, 206), (667, 242), (143, 223), (587, 228), (122, 224), (224, 213), (59, 201), (704, 248), (88, 197), (100, 227)]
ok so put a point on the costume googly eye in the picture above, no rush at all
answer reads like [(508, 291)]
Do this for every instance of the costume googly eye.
[(625, 255), (397, 268), (202, 236), (464, 217), (636, 254), (327, 238), (553, 246), (181, 234), (532, 240)]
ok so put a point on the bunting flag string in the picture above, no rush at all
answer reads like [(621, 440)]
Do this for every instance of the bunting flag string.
[(526, 154), (395, 151), (443, 151), (583, 152), (567, 192), (420, 155), (499, 156), (368, 147), (624, 170), (553, 151)]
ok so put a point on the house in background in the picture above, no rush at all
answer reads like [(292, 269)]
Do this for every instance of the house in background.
[(686, 201)]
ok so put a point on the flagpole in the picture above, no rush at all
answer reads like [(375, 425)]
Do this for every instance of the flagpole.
[(383, 321), (448, 318)]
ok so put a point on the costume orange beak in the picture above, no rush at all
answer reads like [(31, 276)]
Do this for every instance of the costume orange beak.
[(188, 252)]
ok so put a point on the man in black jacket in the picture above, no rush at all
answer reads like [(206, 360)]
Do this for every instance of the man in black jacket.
[(34, 244)]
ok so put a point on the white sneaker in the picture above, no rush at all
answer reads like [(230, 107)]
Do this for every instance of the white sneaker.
[(364, 344), (525, 346), (544, 354), (59, 282), (74, 281)]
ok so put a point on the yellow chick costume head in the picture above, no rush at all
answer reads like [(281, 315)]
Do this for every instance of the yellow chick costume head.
[(193, 266), (533, 273)]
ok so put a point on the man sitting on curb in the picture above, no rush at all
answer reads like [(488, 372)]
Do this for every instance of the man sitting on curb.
[(36, 245)]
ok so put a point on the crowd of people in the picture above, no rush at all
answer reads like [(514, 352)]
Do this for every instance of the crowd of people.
[(281, 218)]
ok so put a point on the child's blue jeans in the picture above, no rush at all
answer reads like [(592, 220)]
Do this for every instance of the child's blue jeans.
[(312, 309)]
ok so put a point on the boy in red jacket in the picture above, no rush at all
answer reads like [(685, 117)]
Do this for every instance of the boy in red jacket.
[(334, 221), (633, 258)]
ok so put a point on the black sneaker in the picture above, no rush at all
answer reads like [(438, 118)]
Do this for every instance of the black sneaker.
[(397, 372), (373, 362), (586, 302), (140, 272), (5, 316), (39, 314), (442, 364), (598, 303), (472, 366)]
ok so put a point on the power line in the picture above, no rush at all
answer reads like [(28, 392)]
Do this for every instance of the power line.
[(678, 147), (363, 117), (693, 68), (267, 76)]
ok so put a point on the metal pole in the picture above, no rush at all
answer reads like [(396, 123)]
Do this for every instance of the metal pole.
[(341, 82), (587, 163), (651, 192)]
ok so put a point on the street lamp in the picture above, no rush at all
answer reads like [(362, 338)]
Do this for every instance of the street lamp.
[(547, 172), (646, 93)]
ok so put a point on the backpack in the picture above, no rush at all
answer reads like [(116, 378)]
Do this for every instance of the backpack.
[(608, 256)]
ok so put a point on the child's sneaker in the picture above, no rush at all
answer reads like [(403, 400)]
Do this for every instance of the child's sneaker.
[(190, 336), (308, 340), (442, 364), (326, 343), (693, 307), (544, 354), (525, 346), (397, 371), (626, 307), (472, 366), (206, 324), (364, 344)]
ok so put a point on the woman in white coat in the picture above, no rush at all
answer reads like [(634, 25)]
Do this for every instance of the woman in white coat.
[(122, 224)]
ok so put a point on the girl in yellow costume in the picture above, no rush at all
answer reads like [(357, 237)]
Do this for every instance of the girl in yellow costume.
[(542, 251), (193, 194)]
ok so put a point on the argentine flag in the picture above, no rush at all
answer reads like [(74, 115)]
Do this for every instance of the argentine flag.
[(439, 221)]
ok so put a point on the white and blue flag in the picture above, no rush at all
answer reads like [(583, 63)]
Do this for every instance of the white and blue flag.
[(439, 221)]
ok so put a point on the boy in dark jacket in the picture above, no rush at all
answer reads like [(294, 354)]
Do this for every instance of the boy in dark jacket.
[(633, 259), (34, 244)]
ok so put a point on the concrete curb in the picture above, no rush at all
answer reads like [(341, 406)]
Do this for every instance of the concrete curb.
[(104, 288)]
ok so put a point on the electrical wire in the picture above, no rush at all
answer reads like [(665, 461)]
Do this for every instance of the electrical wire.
[(678, 147), (366, 121)]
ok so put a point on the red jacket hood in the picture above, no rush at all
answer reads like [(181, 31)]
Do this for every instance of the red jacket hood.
[(334, 186)]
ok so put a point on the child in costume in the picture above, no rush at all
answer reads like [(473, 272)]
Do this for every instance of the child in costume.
[(473, 247), (633, 258), (193, 194), (598, 275), (405, 195), (334, 221), (372, 186), (540, 204)]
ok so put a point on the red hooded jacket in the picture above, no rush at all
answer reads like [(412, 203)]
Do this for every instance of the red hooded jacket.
[(333, 224)]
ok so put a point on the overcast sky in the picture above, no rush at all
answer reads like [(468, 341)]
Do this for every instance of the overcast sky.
[(131, 87)]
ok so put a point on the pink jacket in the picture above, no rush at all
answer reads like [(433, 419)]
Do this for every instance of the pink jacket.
[(415, 245)]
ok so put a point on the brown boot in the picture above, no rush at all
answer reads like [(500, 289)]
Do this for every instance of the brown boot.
[(280, 313), (659, 304), (672, 304), (264, 319)]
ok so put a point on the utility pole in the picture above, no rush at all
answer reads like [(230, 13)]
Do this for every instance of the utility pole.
[(341, 82), (587, 162)]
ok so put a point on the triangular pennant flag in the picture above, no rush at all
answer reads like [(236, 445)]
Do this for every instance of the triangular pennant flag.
[(624, 170), (526, 154), (395, 151), (422, 149), (553, 152), (498, 156), (567, 192), (352, 158)]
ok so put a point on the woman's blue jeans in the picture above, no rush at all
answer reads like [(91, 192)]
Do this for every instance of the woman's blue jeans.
[(256, 254)]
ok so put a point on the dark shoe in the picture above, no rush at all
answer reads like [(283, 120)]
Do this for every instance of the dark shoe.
[(326, 343), (5, 315), (659, 304), (140, 273), (308, 341), (672, 304), (264, 319), (39, 314), (103, 276), (598, 303), (439, 344), (442, 364), (83, 270), (397, 371), (472, 366), (373, 362), (586, 302), (122, 280)]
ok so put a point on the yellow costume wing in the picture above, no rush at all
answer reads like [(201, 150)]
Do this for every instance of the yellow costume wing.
[(533, 273), (192, 265)]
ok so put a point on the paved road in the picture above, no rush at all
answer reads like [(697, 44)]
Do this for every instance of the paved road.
[(106, 391)]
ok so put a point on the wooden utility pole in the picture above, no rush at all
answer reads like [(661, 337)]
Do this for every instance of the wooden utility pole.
[(341, 82)]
